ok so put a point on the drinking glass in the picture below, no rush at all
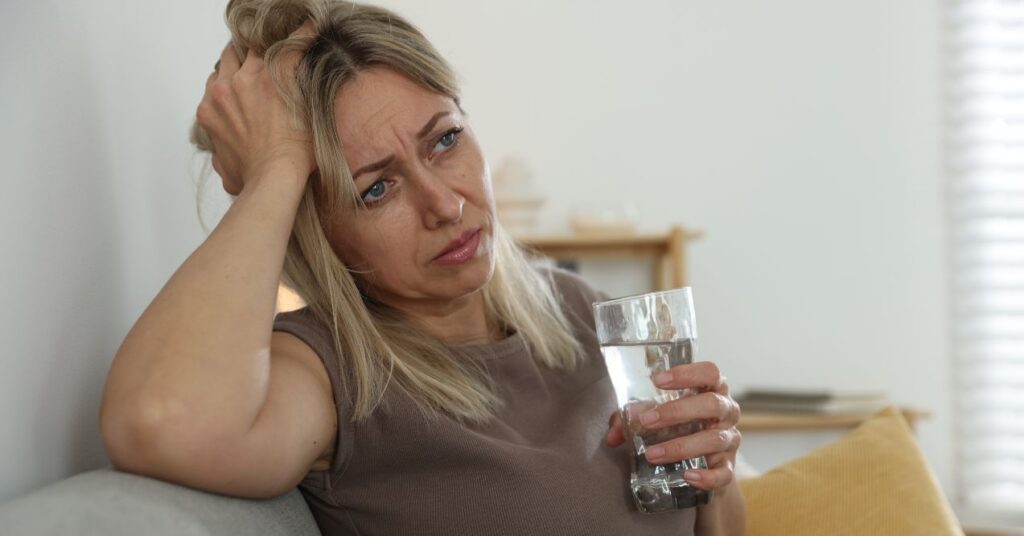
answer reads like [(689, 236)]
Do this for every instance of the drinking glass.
[(641, 336)]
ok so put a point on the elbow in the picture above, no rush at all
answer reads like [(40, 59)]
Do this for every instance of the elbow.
[(153, 439), (122, 440), (133, 436), (176, 454), (127, 438)]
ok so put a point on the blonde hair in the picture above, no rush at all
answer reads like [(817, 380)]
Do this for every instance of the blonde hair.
[(375, 344)]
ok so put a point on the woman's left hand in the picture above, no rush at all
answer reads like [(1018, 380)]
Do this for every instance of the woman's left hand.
[(719, 440)]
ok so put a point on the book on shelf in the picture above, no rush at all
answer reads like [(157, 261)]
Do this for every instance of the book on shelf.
[(821, 402)]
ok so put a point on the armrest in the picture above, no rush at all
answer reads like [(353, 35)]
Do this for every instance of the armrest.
[(109, 502)]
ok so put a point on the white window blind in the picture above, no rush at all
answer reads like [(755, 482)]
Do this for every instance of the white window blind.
[(986, 157)]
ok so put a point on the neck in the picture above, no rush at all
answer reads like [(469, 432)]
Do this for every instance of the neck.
[(460, 321)]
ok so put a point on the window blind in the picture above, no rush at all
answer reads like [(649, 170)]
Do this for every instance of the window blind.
[(985, 78)]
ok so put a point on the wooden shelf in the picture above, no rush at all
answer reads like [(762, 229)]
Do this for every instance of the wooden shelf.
[(668, 250), (988, 532), (774, 422)]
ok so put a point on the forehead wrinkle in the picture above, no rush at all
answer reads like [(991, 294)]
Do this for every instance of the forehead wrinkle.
[(396, 116), (379, 129), (373, 118)]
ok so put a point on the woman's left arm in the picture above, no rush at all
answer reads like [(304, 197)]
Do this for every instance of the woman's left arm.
[(718, 442)]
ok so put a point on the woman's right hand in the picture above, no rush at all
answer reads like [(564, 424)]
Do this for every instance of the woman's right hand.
[(248, 120)]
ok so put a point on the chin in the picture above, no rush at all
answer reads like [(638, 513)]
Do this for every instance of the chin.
[(473, 278), (470, 277)]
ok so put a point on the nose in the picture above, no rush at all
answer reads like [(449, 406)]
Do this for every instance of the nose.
[(440, 203)]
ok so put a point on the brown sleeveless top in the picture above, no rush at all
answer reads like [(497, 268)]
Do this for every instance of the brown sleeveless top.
[(539, 467)]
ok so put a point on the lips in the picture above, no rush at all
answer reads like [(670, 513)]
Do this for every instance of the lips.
[(455, 246)]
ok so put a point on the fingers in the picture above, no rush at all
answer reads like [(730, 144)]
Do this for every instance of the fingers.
[(616, 432), (721, 388), (291, 55), (219, 112), (709, 406), (229, 62), (250, 74), (307, 29), (702, 443), (703, 375), (716, 476), (217, 86), (715, 459)]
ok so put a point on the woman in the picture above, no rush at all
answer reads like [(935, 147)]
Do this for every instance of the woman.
[(436, 383)]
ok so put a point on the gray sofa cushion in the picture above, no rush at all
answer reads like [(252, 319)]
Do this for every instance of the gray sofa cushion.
[(105, 502)]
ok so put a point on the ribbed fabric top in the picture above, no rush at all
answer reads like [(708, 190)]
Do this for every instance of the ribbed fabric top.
[(539, 467)]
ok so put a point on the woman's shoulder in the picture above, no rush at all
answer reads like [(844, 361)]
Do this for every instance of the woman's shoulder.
[(305, 325), (573, 292), (302, 318)]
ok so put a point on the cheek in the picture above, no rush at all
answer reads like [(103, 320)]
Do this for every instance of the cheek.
[(384, 245), (476, 176), (488, 186)]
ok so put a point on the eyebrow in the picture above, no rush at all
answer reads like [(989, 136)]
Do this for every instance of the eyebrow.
[(383, 163)]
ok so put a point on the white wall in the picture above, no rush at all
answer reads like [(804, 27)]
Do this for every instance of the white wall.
[(97, 207), (801, 136)]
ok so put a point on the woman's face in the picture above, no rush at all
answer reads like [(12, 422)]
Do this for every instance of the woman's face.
[(426, 186)]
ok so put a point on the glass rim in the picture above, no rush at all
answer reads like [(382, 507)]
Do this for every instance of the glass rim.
[(679, 290)]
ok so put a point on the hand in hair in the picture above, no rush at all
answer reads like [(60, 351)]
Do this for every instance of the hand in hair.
[(718, 442), (248, 120)]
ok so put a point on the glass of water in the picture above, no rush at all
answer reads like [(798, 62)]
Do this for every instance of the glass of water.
[(641, 336)]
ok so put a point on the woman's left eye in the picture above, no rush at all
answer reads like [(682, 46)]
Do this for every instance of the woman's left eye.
[(375, 192), (447, 140)]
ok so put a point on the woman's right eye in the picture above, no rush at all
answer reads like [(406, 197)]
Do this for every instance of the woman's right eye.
[(375, 192)]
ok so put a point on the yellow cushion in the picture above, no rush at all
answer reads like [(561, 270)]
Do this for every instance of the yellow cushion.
[(872, 481)]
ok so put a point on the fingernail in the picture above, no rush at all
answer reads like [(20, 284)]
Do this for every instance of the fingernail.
[(655, 452), (649, 417), (692, 475), (662, 378)]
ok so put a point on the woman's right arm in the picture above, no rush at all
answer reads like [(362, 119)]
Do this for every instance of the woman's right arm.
[(201, 391)]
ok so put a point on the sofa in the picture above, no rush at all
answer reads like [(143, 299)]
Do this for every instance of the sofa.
[(873, 481), (109, 502)]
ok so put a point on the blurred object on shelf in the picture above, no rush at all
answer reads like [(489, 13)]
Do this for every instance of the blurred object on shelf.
[(783, 421), (619, 221), (821, 402), (515, 197)]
